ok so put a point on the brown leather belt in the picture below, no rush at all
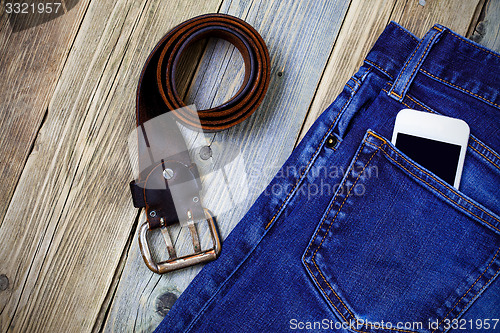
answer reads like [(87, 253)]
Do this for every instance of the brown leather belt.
[(156, 95)]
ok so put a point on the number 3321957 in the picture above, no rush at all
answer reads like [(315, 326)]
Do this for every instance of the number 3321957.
[(32, 8)]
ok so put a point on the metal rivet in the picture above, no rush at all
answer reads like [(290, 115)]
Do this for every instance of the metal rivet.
[(280, 74), (168, 173), (331, 141), (4, 282), (196, 199), (165, 302), (152, 213), (205, 152)]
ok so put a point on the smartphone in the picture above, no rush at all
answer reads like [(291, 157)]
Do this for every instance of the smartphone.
[(436, 142)]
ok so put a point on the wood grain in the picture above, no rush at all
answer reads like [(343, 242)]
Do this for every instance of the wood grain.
[(299, 36), (48, 247), (454, 14), (365, 21), (71, 216), (487, 30), (69, 259), (31, 61)]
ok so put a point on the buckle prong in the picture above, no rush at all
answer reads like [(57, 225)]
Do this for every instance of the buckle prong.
[(194, 233), (168, 241)]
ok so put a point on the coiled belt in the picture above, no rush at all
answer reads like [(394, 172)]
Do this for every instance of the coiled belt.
[(156, 95)]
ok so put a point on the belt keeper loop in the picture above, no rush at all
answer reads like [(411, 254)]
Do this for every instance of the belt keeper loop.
[(412, 65)]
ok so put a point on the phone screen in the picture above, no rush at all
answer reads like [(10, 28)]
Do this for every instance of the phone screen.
[(439, 157)]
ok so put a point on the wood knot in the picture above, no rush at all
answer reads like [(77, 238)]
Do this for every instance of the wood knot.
[(4, 282), (165, 302), (479, 31)]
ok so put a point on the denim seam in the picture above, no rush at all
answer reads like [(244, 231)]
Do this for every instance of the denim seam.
[(477, 151), (460, 88), (414, 100), (356, 80), (406, 32), (331, 223), (308, 164), (451, 200), (485, 285), (435, 189), (324, 237), (471, 136), (205, 305), (383, 70), (488, 149), (345, 199), (331, 204), (476, 46), (324, 292), (324, 220)]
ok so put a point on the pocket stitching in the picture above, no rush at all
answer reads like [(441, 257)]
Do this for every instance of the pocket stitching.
[(345, 199), (324, 237), (486, 284), (440, 182), (477, 151)]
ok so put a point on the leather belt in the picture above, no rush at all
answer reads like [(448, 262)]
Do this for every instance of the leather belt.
[(169, 185)]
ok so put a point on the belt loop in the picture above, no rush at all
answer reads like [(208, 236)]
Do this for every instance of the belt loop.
[(410, 68)]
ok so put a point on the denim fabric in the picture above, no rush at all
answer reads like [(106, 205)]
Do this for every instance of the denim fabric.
[(355, 236)]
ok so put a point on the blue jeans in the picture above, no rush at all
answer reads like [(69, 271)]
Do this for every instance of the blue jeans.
[(352, 235)]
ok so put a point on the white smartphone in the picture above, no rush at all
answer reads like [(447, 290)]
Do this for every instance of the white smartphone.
[(436, 142)]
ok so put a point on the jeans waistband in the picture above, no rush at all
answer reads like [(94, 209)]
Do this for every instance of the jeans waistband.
[(442, 55)]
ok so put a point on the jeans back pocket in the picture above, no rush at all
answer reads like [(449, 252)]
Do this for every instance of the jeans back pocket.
[(399, 250)]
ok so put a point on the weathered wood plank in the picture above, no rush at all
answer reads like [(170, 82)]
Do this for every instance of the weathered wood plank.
[(365, 21), (59, 254), (487, 31), (71, 215), (58, 268), (32, 55), (454, 14), (31, 59), (299, 36)]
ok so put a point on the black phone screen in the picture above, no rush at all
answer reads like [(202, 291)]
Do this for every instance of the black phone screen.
[(439, 157)]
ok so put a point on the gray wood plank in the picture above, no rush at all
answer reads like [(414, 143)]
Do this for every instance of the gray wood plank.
[(487, 30), (299, 36), (33, 49), (365, 21), (32, 55)]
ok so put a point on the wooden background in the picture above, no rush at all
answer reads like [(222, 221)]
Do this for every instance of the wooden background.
[(69, 258)]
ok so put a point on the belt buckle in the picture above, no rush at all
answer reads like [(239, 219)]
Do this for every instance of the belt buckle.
[(174, 262)]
